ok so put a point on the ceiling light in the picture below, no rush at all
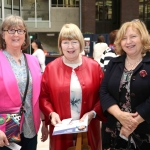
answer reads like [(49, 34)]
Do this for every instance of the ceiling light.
[(50, 34)]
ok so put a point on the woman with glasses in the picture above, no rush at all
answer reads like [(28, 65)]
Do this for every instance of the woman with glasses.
[(70, 89), (124, 93), (14, 67)]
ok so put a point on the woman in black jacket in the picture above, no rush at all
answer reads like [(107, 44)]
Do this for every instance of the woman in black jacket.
[(125, 90)]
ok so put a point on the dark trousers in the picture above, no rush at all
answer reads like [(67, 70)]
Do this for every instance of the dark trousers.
[(26, 143), (106, 137), (122, 145)]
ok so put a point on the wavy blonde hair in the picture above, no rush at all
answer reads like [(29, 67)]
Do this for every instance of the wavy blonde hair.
[(139, 27)]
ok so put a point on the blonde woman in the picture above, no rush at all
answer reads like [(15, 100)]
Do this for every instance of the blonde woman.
[(124, 93), (70, 88)]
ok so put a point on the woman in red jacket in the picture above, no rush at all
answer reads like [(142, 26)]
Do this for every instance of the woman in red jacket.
[(70, 88)]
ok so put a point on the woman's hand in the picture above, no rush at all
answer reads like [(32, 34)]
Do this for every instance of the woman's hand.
[(90, 116), (44, 131), (126, 132), (128, 120), (3, 139), (54, 118), (125, 118)]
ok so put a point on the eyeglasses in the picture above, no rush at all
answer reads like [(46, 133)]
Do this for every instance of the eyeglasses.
[(13, 31), (73, 43)]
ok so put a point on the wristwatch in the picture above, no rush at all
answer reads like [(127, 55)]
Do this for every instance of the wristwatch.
[(94, 113)]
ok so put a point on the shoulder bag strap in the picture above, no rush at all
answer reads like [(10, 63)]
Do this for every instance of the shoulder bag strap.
[(27, 84)]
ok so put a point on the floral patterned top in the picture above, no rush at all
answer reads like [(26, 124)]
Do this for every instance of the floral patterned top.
[(20, 74), (125, 103), (124, 93)]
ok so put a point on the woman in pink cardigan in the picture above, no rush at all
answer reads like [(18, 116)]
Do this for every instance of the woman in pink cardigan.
[(13, 77)]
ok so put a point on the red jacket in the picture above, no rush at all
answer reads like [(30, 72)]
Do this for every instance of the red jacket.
[(55, 96)]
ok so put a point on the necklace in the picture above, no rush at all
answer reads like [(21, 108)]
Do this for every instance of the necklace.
[(132, 65)]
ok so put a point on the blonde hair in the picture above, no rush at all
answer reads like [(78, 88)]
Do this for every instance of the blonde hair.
[(70, 32), (139, 27), (13, 21)]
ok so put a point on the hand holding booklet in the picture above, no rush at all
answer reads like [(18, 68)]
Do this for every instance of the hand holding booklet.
[(69, 126), (14, 146)]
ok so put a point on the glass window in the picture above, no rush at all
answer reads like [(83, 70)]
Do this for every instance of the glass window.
[(141, 8), (42, 10), (16, 7), (7, 7), (65, 3), (99, 9), (9, 2), (28, 10), (144, 10), (148, 11), (69, 3), (54, 3), (57, 3), (103, 9)]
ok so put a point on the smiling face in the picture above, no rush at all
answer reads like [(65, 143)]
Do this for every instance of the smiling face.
[(131, 42), (71, 43), (71, 50), (14, 41)]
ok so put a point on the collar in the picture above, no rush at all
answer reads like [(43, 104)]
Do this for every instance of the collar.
[(82, 66), (146, 58), (11, 59)]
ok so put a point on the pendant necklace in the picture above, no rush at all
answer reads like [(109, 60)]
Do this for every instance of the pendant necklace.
[(132, 65)]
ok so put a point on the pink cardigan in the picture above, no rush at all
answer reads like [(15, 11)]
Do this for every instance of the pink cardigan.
[(10, 100)]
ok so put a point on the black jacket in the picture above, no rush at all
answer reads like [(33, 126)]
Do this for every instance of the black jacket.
[(139, 90)]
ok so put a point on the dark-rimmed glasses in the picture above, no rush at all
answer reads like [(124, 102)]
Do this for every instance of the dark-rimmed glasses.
[(13, 31)]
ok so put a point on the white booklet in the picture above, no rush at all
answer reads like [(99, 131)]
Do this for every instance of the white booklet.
[(14, 146), (69, 126)]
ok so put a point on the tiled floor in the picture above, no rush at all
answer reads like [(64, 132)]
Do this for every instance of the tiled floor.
[(42, 145)]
